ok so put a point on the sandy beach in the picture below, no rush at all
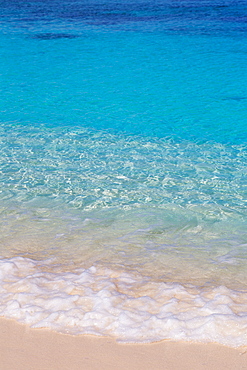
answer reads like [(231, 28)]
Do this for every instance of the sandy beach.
[(22, 348), (123, 215)]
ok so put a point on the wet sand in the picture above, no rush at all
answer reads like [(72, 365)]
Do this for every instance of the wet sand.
[(22, 348)]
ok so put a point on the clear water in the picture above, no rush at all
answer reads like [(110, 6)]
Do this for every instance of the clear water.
[(123, 168)]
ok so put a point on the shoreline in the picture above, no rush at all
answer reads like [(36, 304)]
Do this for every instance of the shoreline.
[(24, 348)]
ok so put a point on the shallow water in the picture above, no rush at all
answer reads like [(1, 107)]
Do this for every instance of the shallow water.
[(123, 169)]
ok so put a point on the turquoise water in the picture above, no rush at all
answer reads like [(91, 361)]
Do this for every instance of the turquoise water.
[(123, 168)]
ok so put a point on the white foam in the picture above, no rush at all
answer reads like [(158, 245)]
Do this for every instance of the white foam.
[(101, 301)]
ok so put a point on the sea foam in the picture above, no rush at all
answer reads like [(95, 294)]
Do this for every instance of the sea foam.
[(129, 307)]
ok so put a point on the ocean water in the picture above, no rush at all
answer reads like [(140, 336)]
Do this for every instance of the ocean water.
[(123, 131)]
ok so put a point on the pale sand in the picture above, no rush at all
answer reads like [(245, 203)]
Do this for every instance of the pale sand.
[(22, 348)]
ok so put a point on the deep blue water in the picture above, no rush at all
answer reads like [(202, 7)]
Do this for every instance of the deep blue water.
[(166, 69)]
